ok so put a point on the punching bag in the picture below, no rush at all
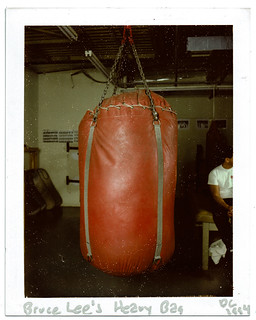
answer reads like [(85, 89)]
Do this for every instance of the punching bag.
[(127, 174)]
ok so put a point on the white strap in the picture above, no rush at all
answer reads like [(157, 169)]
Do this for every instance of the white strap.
[(86, 182), (160, 170)]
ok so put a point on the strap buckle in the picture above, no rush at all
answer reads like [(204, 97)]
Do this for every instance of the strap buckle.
[(157, 122), (157, 260)]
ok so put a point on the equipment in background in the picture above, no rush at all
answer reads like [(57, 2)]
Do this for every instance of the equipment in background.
[(33, 200), (40, 193)]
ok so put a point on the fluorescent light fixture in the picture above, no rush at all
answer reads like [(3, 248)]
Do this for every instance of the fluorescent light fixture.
[(69, 32), (163, 79), (159, 80), (96, 62)]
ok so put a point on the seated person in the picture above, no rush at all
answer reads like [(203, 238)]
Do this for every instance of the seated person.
[(220, 181)]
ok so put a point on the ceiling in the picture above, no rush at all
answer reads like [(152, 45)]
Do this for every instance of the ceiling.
[(162, 51)]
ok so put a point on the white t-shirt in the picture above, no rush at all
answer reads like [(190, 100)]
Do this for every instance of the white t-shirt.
[(224, 179)]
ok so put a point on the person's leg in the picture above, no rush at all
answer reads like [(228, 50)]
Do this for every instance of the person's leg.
[(224, 224), (225, 230)]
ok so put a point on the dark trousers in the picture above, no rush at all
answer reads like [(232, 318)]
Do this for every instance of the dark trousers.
[(224, 223)]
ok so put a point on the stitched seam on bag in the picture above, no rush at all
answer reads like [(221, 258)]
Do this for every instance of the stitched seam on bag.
[(136, 105)]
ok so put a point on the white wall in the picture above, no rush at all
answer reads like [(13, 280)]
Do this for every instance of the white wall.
[(30, 113), (62, 104), (63, 101), (193, 108)]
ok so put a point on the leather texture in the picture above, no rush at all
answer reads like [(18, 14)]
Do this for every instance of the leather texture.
[(123, 184)]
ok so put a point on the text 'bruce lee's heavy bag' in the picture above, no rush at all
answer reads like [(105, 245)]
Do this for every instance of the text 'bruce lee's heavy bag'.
[(127, 173)]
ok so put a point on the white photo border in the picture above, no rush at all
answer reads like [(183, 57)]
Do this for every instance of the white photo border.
[(16, 19)]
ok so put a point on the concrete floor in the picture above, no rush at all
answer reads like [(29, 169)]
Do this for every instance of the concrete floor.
[(54, 266)]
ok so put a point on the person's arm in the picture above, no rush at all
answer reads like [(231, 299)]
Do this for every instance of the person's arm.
[(215, 191)]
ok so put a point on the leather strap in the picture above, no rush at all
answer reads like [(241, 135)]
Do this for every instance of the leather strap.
[(160, 167), (86, 182)]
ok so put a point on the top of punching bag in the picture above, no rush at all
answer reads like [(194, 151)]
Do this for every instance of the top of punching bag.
[(131, 103), (136, 98)]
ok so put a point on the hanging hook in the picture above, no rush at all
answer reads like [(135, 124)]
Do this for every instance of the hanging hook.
[(126, 30)]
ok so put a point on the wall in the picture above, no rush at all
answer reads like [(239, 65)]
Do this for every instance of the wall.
[(63, 101), (195, 107), (30, 112)]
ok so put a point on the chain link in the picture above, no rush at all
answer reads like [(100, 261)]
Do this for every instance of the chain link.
[(154, 112), (110, 79), (117, 75)]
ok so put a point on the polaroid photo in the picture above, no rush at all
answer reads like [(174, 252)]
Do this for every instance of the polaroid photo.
[(45, 273)]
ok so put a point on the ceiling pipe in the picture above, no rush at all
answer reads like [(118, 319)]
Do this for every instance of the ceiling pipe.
[(96, 62), (191, 87), (69, 32)]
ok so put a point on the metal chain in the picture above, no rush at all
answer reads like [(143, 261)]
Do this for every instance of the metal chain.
[(110, 78), (154, 112), (117, 75)]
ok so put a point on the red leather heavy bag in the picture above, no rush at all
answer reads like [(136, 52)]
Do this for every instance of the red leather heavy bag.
[(127, 173)]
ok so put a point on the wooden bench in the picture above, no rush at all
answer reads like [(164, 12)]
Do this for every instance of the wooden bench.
[(201, 206), (204, 219)]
